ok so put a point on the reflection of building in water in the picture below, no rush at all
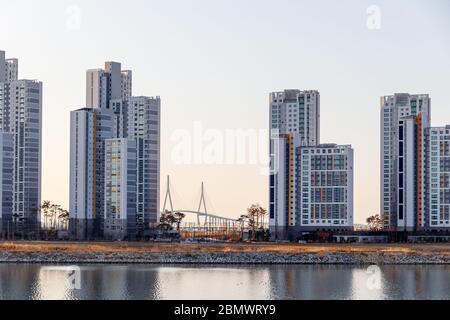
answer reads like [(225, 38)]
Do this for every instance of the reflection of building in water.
[(142, 283), (118, 282), (436, 283), (111, 282), (417, 282), (226, 283), (354, 282), (310, 282), (18, 282), (214, 283)]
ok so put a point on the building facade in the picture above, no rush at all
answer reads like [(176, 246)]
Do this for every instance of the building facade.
[(404, 121), (283, 181), (11, 70), (325, 187), (437, 200), (109, 97), (104, 85), (6, 179), (126, 84), (120, 189), (296, 111), (138, 118), (21, 116), (294, 118), (296, 204), (89, 129)]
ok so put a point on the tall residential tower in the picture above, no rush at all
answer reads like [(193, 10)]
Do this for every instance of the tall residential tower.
[(437, 198), (113, 120), (21, 116), (89, 128), (404, 121), (294, 121), (311, 185)]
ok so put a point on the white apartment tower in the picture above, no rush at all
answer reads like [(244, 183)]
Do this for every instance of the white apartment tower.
[(296, 111), (21, 116), (325, 187), (404, 121), (131, 120), (139, 119), (295, 133), (437, 201), (104, 85), (89, 129), (294, 121)]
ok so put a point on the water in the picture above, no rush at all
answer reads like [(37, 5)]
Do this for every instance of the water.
[(37, 282)]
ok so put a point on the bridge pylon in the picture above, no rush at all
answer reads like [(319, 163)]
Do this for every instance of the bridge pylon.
[(168, 197), (202, 201)]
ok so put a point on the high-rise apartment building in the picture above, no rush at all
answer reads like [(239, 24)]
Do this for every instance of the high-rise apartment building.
[(295, 150), (89, 129), (296, 111), (283, 182), (325, 187), (127, 84), (120, 189), (2, 66), (294, 121), (104, 85), (404, 120), (21, 116), (6, 181), (11, 70), (136, 119), (437, 199)]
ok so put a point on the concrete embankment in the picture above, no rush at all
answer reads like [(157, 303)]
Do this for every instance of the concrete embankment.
[(223, 258)]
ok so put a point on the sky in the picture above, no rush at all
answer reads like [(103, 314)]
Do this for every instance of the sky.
[(214, 63)]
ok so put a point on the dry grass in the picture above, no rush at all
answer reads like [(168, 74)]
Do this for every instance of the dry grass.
[(90, 247)]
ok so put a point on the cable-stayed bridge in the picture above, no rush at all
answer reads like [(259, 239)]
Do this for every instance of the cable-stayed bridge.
[(207, 223)]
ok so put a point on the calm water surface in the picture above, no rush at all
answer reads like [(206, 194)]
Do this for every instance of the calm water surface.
[(18, 281)]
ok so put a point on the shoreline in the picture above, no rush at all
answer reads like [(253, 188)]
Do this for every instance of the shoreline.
[(226, 259), (223, 254)]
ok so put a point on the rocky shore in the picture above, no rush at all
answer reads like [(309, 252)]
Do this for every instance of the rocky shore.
[(223, 258)]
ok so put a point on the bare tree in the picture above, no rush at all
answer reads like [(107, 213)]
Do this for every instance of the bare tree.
[(55, 217), (255, 217)]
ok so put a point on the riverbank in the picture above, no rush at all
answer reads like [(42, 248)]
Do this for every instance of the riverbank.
[(148, 253)]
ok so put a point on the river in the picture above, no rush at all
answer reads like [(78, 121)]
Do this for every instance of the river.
[(142, 282)]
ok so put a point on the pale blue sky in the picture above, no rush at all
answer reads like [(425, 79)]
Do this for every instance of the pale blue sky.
[(215, 61)]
